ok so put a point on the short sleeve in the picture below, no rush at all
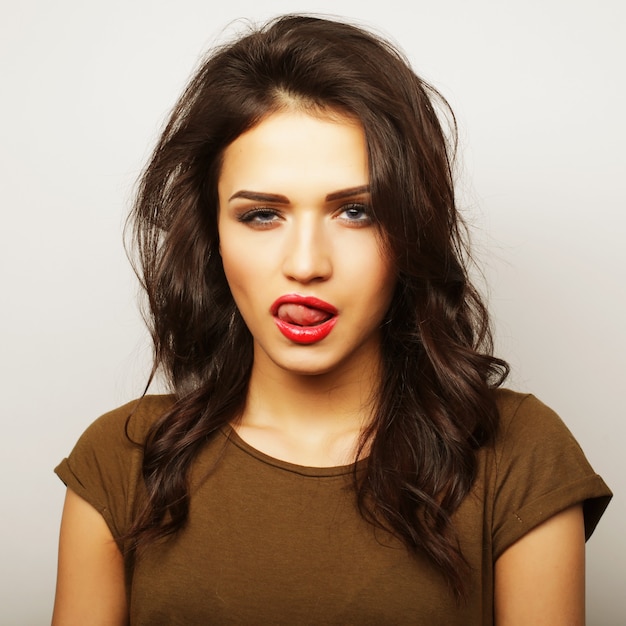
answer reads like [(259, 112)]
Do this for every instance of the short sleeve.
[(540, 471), (104, 468)]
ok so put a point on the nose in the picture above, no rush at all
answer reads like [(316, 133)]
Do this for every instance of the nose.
[(307, 255)]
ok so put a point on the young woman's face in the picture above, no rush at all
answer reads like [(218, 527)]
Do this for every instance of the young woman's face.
[(303, 260)]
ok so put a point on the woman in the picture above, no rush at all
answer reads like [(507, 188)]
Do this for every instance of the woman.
[(336, 448)]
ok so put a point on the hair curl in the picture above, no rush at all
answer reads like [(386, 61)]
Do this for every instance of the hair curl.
[(435, 406)]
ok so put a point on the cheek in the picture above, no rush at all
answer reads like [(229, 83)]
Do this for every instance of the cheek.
[(230, 250), (374, 273), (243, 268), (235, 270), (232, 263), (383, 287)]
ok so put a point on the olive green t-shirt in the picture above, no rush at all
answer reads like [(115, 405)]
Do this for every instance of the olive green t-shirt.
[(269, 542)]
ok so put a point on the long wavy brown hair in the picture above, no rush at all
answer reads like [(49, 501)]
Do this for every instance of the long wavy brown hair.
[(435, 406)]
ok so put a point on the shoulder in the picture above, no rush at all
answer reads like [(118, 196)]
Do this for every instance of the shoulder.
[(531, 433), (104, 467), (525, 419), (123, 427), (132, 420), (537, 470), (516, 407), (127, 423)]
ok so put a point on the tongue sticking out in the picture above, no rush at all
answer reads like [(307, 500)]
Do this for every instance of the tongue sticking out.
[(301, 315)]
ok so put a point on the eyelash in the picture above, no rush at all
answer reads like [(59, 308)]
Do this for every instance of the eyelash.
[(265, 217), (364, 210), (254, 216)]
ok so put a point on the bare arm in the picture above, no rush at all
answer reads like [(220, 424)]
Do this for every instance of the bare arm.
[(90, 581), (540, 579)]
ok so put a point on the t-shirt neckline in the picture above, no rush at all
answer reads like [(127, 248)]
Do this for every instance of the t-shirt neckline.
[(304, 470)]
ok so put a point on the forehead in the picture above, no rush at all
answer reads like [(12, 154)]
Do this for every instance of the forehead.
[(294, 146)]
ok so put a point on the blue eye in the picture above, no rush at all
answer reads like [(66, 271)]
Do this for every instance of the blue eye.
[(356, 213), (260, 217)]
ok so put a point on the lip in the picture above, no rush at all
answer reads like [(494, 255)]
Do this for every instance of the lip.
[(304, 334)]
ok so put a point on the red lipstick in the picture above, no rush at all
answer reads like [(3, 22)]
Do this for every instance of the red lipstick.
[(303, 319)]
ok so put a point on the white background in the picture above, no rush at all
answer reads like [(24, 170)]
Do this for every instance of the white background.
[(538, 88)]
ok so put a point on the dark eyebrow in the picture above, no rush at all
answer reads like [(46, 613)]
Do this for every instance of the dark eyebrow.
[(348, 193), (275, 198), (260, 197)]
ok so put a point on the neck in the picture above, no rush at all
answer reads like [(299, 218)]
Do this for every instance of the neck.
[(309, 419)]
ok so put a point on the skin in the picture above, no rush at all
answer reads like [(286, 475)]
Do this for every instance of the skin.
[(540, 579), (90, 579), (293, 218), (308, 404)]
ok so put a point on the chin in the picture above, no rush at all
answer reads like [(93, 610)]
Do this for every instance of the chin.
[(306, 364), (307, 369)]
